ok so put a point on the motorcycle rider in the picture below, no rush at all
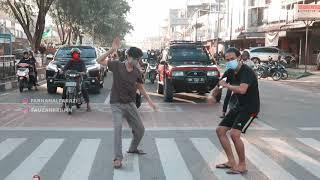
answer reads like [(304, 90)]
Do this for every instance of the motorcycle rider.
[(78, 65), (33, 61), (32, 67)]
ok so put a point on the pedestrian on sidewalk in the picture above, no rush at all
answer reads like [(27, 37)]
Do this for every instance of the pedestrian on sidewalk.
[(238, 119), (126, 80)]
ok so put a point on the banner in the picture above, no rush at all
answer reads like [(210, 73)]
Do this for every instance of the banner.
[(272, 39)]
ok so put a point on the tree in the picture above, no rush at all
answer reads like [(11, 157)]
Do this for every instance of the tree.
[(102, 19), (25, 13)]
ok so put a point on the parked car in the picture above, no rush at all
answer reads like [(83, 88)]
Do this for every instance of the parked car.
[(263, 54), (95, 72), (186, 67)]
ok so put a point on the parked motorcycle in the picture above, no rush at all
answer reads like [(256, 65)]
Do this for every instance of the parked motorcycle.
[(282, 69), (73, 90), (268, 70), (26, 75)]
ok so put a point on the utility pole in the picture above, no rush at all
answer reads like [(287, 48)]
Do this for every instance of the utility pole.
[(218, 28)]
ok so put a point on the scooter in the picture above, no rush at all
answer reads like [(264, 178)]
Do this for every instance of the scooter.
[(73, 86), (24, 76), (152, 71)]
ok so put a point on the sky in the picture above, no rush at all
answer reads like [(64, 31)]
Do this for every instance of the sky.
[(146, 16)]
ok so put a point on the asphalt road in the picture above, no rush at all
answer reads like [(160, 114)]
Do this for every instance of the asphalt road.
[(284, 143)]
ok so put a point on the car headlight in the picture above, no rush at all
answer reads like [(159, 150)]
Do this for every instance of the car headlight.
[(52, 67), (212, 73), (177, 73)]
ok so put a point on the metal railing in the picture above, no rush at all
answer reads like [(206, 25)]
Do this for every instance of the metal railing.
[(7, 67)]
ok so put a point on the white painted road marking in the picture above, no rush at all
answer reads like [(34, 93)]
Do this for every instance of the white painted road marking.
[(172, 162), (266, 165), (213, 156), (36, 161), (130, 169), (107, 101), (310, 128), (81, 162), (297, 156), (310, 142), (9, 145)]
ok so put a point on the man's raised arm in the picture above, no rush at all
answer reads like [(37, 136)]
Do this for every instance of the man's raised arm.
[(103, 59)]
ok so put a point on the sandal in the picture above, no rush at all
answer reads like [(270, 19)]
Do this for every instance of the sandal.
[(117, 164), (233, 171), (223, 166), (140, 152)]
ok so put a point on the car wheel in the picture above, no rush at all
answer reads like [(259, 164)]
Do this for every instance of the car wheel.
[(51, 89), (168, 91), (160, 88)]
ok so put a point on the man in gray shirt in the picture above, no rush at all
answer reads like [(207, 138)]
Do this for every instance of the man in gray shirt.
[(126, 80)]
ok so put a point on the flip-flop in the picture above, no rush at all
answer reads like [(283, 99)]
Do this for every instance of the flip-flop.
[(232, 171), (223, 166), (140, 152), (117, 166)]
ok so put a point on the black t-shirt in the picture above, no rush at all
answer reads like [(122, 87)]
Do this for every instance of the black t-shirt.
[(76, 65), (250, 101), (124, 86)]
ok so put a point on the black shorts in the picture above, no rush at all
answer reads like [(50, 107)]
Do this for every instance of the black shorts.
[(238, 120)]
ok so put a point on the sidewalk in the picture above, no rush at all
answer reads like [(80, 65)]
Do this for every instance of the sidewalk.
[(311, 83), (13, 84)]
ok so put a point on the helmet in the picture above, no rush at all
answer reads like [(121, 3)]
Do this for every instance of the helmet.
[(75, 50), (75, 53)]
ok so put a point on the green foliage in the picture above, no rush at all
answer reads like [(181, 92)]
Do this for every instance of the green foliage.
[(103, 19)]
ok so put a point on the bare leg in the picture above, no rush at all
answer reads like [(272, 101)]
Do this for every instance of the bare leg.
[(223, 138), (235, 136)]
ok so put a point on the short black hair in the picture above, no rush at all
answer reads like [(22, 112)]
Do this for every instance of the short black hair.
[(234, 50), (135, 52)]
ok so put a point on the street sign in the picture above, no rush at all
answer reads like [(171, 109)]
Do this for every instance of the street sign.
[(306, 12)]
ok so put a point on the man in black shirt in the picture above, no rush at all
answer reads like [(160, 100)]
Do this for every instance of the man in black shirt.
[(238, 119), (78, 65)]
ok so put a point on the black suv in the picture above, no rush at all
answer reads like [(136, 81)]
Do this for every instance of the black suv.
[(186, 67), (95, 72)]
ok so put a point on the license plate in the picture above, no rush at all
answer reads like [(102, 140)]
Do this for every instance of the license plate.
[(72, 84), (195, 80)]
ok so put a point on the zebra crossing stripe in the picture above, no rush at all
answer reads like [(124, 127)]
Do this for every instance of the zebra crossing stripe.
[(172, 162), (130, 169), (297, 156), (36, 160), (266, 165), (9, 145), (81, 162), (213, 156), (310, 142), (261, 126)]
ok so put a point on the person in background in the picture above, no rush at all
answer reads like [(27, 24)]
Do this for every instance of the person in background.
[(33, 61), (245, 58)]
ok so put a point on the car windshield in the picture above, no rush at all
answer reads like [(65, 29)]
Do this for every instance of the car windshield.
[(193, 54), (85, 52), (265, 50)]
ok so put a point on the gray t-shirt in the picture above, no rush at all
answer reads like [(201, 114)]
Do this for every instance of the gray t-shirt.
[(124, 86)]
